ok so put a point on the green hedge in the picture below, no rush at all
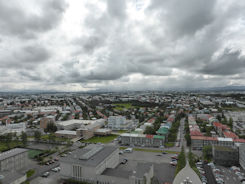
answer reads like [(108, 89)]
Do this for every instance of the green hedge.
[(181, 161)]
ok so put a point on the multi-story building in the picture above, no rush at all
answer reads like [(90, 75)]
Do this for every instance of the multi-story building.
[(226, 156), (88, 164), (120, 123), (14, 159), (197, 142), (143, 174), (242, 155), (142, 140), (45, 120)]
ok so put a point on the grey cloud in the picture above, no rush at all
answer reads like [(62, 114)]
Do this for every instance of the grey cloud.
[(25, 57), (18, 21), (116, 9), (184, 17), (229, 63)]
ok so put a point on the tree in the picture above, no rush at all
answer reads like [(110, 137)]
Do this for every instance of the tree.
[(51, 127), (149, 130), (51, 137), (23, 137), (8, 139), (37, 135), (77, 116), (230, 124), (219, 117), (207, 152)]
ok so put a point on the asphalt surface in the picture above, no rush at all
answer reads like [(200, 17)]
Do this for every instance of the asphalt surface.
[(209, 175), (163, 171)]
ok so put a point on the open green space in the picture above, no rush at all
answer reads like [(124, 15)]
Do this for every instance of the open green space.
[(169, 144), (5, 146), (151, 150), (102, 139), (30, 172), (121, 131), (33, 153), (46, 137), (122, 106), (233, 108)]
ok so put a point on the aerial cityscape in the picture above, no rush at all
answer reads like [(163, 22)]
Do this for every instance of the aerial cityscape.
[(122, 92)]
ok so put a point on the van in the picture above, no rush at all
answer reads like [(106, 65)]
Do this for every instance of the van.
[(128, 150)]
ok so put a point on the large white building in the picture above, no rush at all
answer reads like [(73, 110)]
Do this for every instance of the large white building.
[(88, 164), (75, 123), (17, 128), (120, 123), (242, 155)]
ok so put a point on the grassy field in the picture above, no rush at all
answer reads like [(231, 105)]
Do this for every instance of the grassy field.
[(151, 150), (120, 107), (13, 144), (120, 131), (233, 108), (169, 144), (105, 139), (45, 137), (33, 153), (30, 173)]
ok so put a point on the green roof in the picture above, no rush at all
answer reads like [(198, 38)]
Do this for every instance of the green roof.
[(158, 137), (223, 148), (162, 130)]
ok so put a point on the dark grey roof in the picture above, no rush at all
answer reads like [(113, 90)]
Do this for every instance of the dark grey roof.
[(94, 160), (142, 168), (9, 177), (11, 153)]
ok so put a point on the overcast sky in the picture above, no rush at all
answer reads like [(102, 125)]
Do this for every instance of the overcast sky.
[(79, 45)]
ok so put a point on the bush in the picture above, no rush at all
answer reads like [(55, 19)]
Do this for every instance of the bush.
[(181, 161), (192, 160), (30, 173)]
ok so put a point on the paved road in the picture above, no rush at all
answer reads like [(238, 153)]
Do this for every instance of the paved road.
[(181, 132)]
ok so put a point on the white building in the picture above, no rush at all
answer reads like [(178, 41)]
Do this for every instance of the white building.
[(242, 155), (120, 123), (75, 123), (14, 159), (88, 164), (17, 128)]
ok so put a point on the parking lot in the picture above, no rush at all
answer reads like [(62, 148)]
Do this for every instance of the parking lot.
[(229, 175), (53, 178), (163, 171)]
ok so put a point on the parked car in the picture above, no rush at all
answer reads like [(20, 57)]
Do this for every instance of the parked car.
[(46, 174), (120, 152), (173, 163), (124, 161)]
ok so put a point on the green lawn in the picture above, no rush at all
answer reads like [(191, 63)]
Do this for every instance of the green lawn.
[(45, 137), (122, 106), (33, 153), (233, 108), (30, 173), (13, 144), (150, 150), (105, 139), (121, 131), (169, 144)]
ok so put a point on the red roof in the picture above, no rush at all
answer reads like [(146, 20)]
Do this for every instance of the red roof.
[(230, 134), (204, 138), (239, 140), (196, 133), (151, 120), (149, 136), (217, 124)]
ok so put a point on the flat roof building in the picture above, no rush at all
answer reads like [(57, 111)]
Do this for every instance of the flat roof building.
[(88, 163)]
